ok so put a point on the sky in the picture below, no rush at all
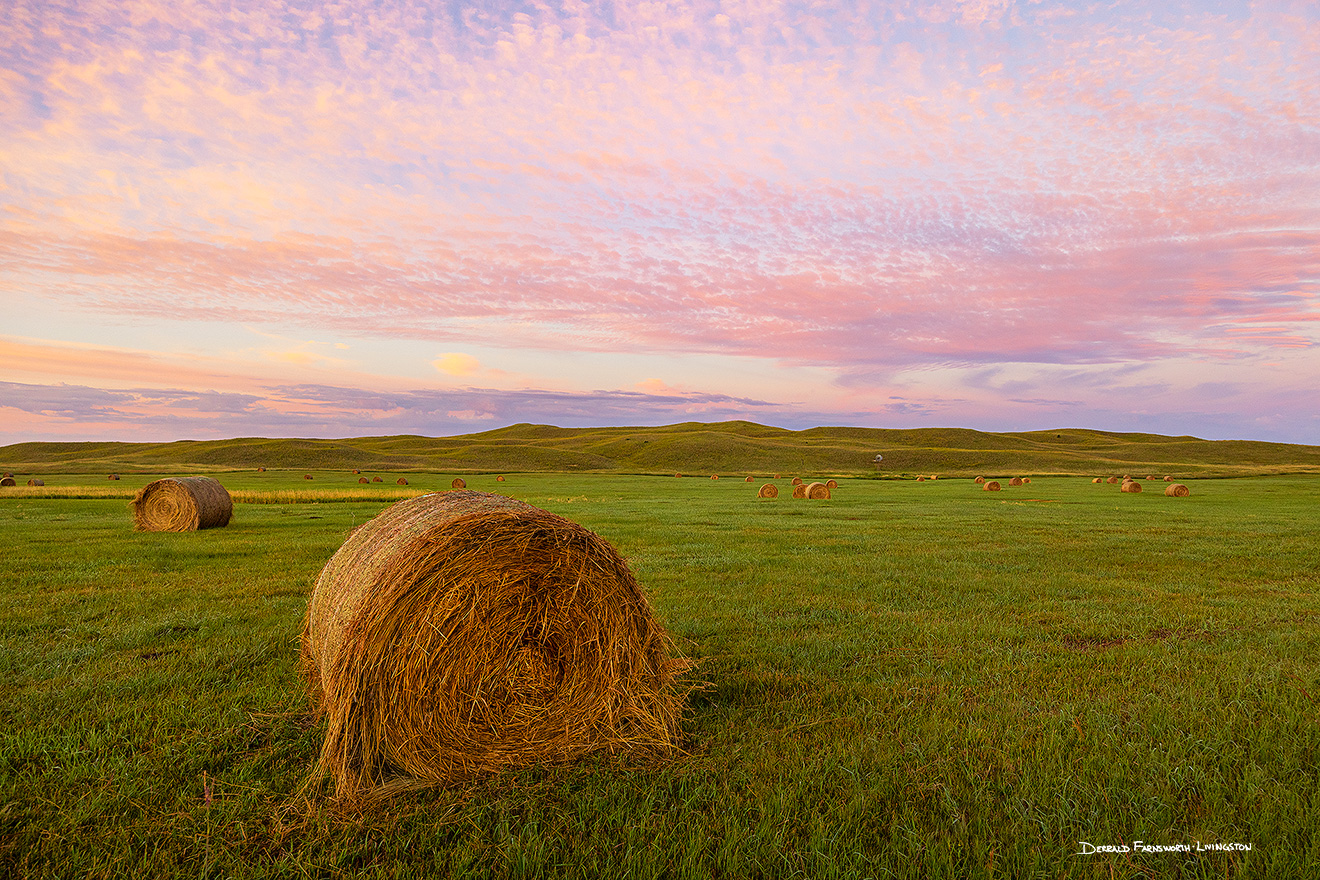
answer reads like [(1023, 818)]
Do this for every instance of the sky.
[(340, 219)]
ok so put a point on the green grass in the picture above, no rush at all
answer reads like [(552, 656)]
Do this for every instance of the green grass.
[(909, 680)]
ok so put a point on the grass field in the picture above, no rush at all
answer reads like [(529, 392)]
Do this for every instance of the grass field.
[(908, 680)]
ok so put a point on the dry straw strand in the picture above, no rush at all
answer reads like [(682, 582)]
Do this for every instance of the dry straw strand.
[(461, 633), (769, 490), (1177, 490), (182, 504)]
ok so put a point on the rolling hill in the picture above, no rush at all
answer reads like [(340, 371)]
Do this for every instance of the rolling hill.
[(735, 447)]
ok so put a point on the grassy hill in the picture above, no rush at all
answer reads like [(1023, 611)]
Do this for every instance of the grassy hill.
[(694, 448)]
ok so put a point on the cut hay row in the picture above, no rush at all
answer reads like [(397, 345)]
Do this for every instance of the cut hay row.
[(461, 633), (182, 504)]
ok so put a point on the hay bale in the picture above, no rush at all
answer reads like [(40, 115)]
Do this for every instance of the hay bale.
[(1026, 480), (991, 486), (402, 481), (261, 470), (461, 633), (458, 483), (36, 481), (1168, 479), (714, 476), (8, 481), (797, 481), (678, 475), (818, 492), (8, 474), (1130, 486), (1097, 479), (831, 484), (182, 504), (377, 480), (364, 480), (499, 479), (113, 477), (769, 490), (1112, 480), (748, 480), (980, 480), (1016, 481), (307, 476), (799, 490), (921, 479), (356, 471), (1177, 490)]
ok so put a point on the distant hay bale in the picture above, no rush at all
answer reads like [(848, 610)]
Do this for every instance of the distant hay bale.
[(458, 483), (797, 481), (182, 504), (6, 474), (831, 484), (1016, 481), (1130, 486), (818, 491), (921, 479), (356, 471), (402, 481), (1098, 480), (1150, 478), (36, 481), (458, 634), (499, 479), (1177, 490), (1026, 480), (980, 480), (8, 481), (377, 480), (678, 475), (1112, 480), (113, 477), (799, 490), (991, 486), (777, 477), (934, 476), (307, 476), (364, 480), (714, 476), (769, 490), (1168, 479), (261, 470), (748, 480)]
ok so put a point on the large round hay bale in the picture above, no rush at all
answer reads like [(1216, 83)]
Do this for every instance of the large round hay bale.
[(831, 484), (748, 480), (1168, 479), (36, 481), (1097, 479), (402, 481), (1130, 486), (458, 483), (818, 491), (1016, 481), (799, 490), (499, 479), (991, 486), (182, 504), (364, 480), (980, 480), (8, 481), (461, 633), (797, 481), (769, 490), (1112, 480), (1177, 490)]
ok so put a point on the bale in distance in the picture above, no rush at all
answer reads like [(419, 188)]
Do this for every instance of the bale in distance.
[(8, 481), (7, 474), (1097, 480), (402, 481), (356, 471), (769, 490), (1177, 490), (797, 481), (818, 492), (714, 476), (261, 470), (748, 480), (113, 477), (499, 479), (921, 479), (991, 486), (377, 480), (980, 480), (1026, 480), (1016, 481), (458, 483), (364, 480), (1112, 480), (36, 481), (831, 484), (1130, 486), (307, 476), (799, 490), (458, 634), (182, 504)]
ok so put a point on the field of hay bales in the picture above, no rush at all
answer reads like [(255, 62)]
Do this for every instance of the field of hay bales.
[(905, 679)]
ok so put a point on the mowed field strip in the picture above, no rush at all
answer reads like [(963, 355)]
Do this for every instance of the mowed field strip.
[(908, 679)]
